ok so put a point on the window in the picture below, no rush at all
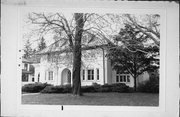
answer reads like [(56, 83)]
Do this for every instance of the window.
[(25, 77), (25, 66), (38, 77), (97, 74), (50, 75), (32, 79), (117, 78), (91, 74), (122, 78), (128, 78), (83, 74)]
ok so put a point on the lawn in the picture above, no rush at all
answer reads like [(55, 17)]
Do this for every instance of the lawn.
[(113, 99)]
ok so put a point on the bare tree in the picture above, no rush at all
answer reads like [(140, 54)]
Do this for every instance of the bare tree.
[(73, 32), (148, 25), (85, 29)]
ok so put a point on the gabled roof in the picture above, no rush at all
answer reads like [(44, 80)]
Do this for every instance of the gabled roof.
[(32, 59), (26, 60), (50, 50), (61, 48), (26, 72)]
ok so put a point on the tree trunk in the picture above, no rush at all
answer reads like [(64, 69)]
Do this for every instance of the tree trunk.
[(77, 54), (135, 87), (135, 72)]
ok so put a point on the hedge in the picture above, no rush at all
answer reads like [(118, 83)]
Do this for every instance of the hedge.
[(120, 87), (34, 87), (151, 86), (57, 89)]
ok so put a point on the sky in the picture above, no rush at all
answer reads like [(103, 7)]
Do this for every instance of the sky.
[(27, 27)]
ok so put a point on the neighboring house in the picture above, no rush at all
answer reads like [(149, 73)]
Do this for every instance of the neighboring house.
[(55, 67), (27, 72)]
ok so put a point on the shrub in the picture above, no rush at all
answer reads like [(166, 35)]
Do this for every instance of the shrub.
[(67, 88), (96, 87), (85, 89), (117, 87), (93, 88), (57, 89), (34, 87), (105, 88), (120, 87), (150, 86), (53, 89)]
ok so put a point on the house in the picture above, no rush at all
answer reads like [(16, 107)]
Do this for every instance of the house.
[(27, 72), (55, 67)]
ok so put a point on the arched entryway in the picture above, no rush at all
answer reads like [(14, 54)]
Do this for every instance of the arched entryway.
[(66, 77)]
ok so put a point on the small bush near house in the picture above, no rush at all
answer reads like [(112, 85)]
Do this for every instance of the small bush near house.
[(57, 89), (119, 87), (93, 88), (67, 88), (96, 87), (151, 86), (53, 89), (105, 88), (86, 89), (34, 87)]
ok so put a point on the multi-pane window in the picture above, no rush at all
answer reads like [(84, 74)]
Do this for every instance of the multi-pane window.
[(26, 66), (117, 78), (91, 74), (128, 78), (83, 74), (25, 77), (97, 74), (50, 75), (38, 77), (122, 78), (32, 79)]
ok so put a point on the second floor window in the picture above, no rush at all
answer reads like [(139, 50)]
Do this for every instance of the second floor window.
[(91, 74)]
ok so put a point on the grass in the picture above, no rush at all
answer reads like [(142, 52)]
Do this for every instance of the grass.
[(112, 99)]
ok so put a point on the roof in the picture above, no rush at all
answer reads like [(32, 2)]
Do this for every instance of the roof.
[(33, 59), (26, 72), (61, 48), (26, 60)]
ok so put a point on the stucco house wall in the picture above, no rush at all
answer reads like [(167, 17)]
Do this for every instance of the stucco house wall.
[(97, 62)]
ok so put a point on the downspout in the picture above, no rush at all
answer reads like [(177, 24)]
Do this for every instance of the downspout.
[(57, 75), (103, 66)]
